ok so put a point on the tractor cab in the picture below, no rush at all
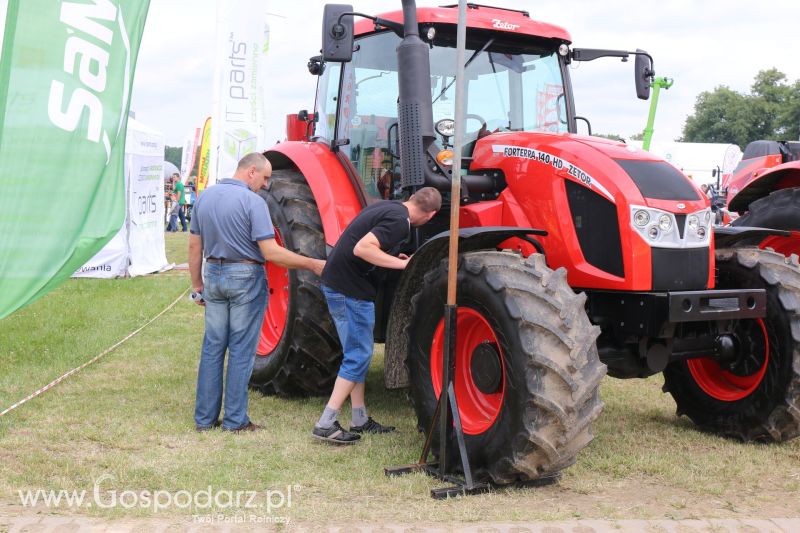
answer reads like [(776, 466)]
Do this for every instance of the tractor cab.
[(516, 80)]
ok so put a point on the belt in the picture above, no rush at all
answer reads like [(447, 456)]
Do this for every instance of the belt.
[(222, 260)]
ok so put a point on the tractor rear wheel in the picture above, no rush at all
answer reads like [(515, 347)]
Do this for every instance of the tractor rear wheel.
[(527, 371), (778, 210), (298, 352), (757, 397)]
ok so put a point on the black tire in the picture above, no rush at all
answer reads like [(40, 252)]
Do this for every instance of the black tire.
[(778, 210), (305, 360), (549, 360), (771, 412)]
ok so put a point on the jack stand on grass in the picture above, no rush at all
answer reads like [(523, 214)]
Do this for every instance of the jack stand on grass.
[(449, 420)]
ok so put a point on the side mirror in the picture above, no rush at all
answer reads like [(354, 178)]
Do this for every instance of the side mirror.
[(337, 33), (643, 70)]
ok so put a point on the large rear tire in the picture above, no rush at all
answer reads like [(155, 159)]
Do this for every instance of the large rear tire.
[(778, 210), (527, 370), (758, 397), (299, 351)]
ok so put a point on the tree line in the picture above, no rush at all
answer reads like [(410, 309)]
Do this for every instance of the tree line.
[(770, 111)]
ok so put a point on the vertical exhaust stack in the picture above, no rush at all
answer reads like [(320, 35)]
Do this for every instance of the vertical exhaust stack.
[(414, 109)]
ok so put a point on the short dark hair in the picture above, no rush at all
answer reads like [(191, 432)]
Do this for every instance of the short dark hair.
[(427, 199), (253, 158)]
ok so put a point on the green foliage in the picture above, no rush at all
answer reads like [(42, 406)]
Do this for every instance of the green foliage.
[(173, 154), (770, 111), (637, 136)]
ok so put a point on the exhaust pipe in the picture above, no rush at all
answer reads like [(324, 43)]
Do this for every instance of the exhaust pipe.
[(414, 108)]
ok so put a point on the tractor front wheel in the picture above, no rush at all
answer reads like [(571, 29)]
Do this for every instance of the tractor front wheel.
[(527, 370), (757, 396)]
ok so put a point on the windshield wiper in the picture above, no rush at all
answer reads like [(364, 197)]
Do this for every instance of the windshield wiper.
[(470, 60)]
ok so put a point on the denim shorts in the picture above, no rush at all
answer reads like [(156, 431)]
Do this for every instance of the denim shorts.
[(354, 320)]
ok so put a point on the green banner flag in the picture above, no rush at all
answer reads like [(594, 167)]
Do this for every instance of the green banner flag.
[(66, 72)]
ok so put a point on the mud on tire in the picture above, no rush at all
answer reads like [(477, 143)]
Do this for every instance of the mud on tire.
[(771, 412), (305, 360), (550, 367)]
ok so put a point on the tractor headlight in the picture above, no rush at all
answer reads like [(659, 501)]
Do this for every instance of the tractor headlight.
[(657, 227), (665, 222), (641, 218)]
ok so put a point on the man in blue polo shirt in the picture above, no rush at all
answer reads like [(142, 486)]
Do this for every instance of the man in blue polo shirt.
[(232, 230)]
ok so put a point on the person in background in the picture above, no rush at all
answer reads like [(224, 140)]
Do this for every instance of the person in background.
[(179, 191), (354, 270), (232, 230), (174, 209)]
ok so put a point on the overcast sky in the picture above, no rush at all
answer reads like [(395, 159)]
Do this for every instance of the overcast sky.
[(701, 45)]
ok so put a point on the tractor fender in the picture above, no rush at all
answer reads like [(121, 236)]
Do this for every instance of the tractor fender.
[(733, 236), (336, 197), (426, 258), (764, 181)]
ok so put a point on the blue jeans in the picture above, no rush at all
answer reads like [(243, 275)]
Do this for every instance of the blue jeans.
[(236, 298), (172, 225), (354, 320), (182, 216)]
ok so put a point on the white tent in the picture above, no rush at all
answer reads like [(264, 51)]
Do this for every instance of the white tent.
[(138, 247), (697, 160)]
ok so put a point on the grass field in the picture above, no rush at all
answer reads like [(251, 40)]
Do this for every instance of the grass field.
[(127, 421)]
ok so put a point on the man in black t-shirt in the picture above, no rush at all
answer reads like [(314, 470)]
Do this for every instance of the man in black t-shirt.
[(351, 278)]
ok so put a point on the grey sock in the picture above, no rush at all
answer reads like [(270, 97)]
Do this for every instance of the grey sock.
[(359, 416), (328, 418)]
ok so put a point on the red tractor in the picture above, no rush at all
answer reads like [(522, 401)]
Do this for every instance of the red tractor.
[(765, 190), (578, 255)]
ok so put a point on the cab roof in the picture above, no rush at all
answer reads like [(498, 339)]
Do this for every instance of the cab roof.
[(478, 17)]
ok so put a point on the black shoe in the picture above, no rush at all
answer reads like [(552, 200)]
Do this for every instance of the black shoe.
[(215, 425), (370, 426), (249, 427), (335, 434)]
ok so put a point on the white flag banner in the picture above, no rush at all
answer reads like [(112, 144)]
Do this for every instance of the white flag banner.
[(189, 153), (239, 73)]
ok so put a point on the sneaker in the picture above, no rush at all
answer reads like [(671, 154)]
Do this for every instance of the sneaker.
[(370, 426), (335, 434), (247, 427)]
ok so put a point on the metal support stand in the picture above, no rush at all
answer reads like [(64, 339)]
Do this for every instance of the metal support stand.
[(448, 420)]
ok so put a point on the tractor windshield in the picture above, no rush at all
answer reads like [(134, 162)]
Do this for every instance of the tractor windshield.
[(507, 89)]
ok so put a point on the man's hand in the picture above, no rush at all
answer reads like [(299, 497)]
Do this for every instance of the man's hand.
[(318, 265), (277, 254)]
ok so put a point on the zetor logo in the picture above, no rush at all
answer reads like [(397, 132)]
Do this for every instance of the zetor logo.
[(87, 52), (497, 23)]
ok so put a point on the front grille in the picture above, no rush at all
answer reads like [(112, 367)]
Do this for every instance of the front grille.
[(680, 269), (595, 221)]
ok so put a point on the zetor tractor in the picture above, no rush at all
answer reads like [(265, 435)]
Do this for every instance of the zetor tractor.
[(765, 190), (578, 255)]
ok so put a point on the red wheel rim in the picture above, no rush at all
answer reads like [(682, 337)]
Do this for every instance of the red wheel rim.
[(783, 245), (278, 307), (724, 385), (478, 410)]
